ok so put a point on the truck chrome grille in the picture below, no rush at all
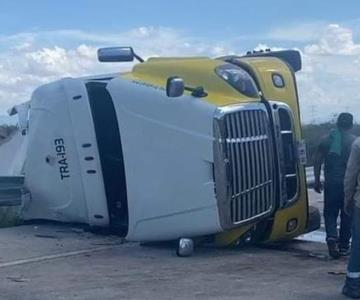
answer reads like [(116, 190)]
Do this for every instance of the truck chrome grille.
[(247, 147)]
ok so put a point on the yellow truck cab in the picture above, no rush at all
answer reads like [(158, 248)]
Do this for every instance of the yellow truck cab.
[(273, 73), (177, 148)]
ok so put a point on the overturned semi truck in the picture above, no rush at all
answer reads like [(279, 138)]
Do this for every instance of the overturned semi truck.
[(176, 148)]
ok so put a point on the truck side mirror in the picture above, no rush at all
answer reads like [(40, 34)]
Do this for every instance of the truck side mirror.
[(175, 87), (116, 54)]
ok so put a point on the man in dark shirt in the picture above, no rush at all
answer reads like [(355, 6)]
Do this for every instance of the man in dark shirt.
[(352, 207), (334, 151)]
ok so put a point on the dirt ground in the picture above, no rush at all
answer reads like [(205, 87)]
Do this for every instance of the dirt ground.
[(64, 262)]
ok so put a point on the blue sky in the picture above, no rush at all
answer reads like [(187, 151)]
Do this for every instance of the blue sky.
[(42, 40), (211, 19)]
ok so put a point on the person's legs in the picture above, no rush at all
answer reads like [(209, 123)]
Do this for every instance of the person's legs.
[(331, 213), (352, 283), (354, 261), (345, 226), (345, 233)]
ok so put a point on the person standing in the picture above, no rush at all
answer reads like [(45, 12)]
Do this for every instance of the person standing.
[(333, 152), (352, 208)]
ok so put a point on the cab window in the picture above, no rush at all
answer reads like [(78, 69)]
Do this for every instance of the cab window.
[(238, 78)]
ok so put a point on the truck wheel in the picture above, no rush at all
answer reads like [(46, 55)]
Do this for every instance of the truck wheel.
[(185, 247)]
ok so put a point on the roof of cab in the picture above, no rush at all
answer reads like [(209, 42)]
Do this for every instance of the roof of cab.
[(196, 71)]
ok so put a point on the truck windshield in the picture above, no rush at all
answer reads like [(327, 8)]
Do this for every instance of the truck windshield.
[(238, 78)]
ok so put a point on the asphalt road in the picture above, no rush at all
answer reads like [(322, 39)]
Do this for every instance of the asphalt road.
[(53, 262), (45, 262)]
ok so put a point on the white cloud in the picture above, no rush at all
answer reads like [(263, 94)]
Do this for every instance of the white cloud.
[(303, 32), (34, 58), (328, 83), (336, 40), (27, 68), (330, 80)]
